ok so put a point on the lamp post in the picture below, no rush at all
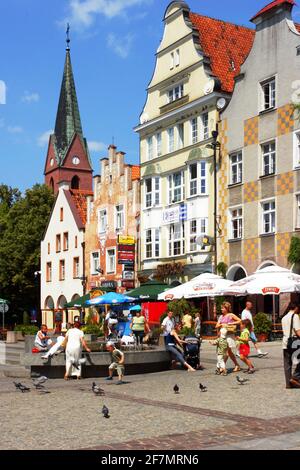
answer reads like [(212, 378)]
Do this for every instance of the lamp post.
[(215, 145)]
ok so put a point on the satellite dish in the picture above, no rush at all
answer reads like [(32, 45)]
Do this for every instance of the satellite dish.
[(209, 87), (221, 103), (144, 118)]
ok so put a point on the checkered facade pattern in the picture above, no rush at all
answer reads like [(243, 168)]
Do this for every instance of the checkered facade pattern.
[(285, 183), (223, 194), (251, 191), (285, 120), (251, 131), (251, 250)]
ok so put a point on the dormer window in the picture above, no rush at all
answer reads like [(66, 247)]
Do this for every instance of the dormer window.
[(175, 93)]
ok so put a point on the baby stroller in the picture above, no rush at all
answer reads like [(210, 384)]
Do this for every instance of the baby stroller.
[(192, 351)]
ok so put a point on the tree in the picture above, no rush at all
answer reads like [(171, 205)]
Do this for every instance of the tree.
[(294, 252), (23, 220)]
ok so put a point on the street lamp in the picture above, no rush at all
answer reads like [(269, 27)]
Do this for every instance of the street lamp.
[(215, 145)]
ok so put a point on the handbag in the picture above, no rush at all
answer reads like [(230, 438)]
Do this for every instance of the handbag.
[(293, 343), (231, 328)]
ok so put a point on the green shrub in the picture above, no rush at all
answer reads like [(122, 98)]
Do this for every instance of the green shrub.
[(262, 324), (27, 329), (92, 330), (185, 331), (26, 318)]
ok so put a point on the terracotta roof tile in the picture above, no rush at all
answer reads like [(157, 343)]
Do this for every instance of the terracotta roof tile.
[(227, 46), (79, 197), (136, 172), (272, 5)]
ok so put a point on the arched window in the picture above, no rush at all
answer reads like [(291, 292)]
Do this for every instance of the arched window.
[(49, 303), (52, 185), (75, 182), (236, 272), (61, 302)]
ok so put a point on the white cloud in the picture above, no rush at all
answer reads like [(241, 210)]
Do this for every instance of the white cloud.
[(95, 146), (121, 46), (15, 129), (43, 139), (30, 97), (83, 12)]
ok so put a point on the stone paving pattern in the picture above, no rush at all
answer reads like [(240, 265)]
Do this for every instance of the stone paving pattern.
[(146, 414)]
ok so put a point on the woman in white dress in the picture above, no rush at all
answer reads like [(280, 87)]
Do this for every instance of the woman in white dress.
[(75, 343)]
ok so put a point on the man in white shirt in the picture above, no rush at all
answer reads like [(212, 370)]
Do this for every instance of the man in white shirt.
[(247, 315), (291, 324), (168, 324)]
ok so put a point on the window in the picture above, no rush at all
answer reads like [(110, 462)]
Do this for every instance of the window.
[(76, 241), (197, 175), (177, 58), (58, 243), (152, 243), (236, 223), (175, 93), (205, 126), (49, 249), (61, 216), (194, 130), (298, 211), (120, 218), (176, 239), (171, 145), (111, 261), (102, 220), (297, 148), (76, 273), (95, 263), (268, 217), (62, 270), (180, 131), (176, 187), (269, 158), (150, 148), (236, 168), (268, 94), (172, 60), (66, 241), (49, 272), (198, 227), (158, 145), (152, 189)]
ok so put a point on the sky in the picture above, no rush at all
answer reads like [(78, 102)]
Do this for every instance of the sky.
[(113, 45)]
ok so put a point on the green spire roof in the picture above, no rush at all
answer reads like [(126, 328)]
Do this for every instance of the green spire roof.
[(68, 118)]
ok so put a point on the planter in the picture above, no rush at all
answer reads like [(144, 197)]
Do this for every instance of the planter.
[(20, 336), (262, 337), (90, 338)]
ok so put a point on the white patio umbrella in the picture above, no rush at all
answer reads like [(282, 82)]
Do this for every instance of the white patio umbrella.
[(205, 285), (272, 280)]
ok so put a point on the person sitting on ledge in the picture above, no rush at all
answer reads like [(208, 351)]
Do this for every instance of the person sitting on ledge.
[(57, 347), (42, 341), (118, 359)]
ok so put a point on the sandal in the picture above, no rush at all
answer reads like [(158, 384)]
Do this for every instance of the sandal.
[(236, 369)]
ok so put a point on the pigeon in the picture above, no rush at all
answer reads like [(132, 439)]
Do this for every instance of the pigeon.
[(241, 381), (79, 363), (38, 383), (176, 389), (97, 390), (105, 412), (21, 387), (203, 388)]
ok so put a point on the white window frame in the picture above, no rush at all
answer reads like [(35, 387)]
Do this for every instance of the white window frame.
[(236, 217), (205, 125), (173, 190), (200, 182), (296, 146), (175, 93), (180, 136), (297, 221), (76, 267), (152, 198), (177, 58), (171, 139), (152, 241), (158, 139), (268, 86), (120, 217), (150, 148), (177, 236), (113, 271), (238, 165), (271, 155), (271, 212), (194, 124), (94, 264), (172, 60), (197, 228), (102, 220)]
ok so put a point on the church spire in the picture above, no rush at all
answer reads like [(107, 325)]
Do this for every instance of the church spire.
[(68, 120)]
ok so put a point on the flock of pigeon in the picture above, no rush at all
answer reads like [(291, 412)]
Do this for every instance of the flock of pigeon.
[(39, 382)]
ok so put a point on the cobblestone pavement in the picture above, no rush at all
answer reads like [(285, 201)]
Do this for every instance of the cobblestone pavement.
[(146, 414)]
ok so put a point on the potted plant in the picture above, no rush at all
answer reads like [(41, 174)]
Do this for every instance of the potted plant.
[(92, 332), (262, 327)]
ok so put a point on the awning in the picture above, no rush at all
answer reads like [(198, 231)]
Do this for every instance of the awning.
[(149, 291), (81, 301)]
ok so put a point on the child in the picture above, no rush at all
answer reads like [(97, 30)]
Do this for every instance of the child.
[(117, 364), (222, 350), (244, 349)]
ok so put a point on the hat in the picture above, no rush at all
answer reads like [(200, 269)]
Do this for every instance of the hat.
[(110, 343)]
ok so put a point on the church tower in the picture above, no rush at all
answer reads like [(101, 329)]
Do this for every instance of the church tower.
[(68, 157)]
